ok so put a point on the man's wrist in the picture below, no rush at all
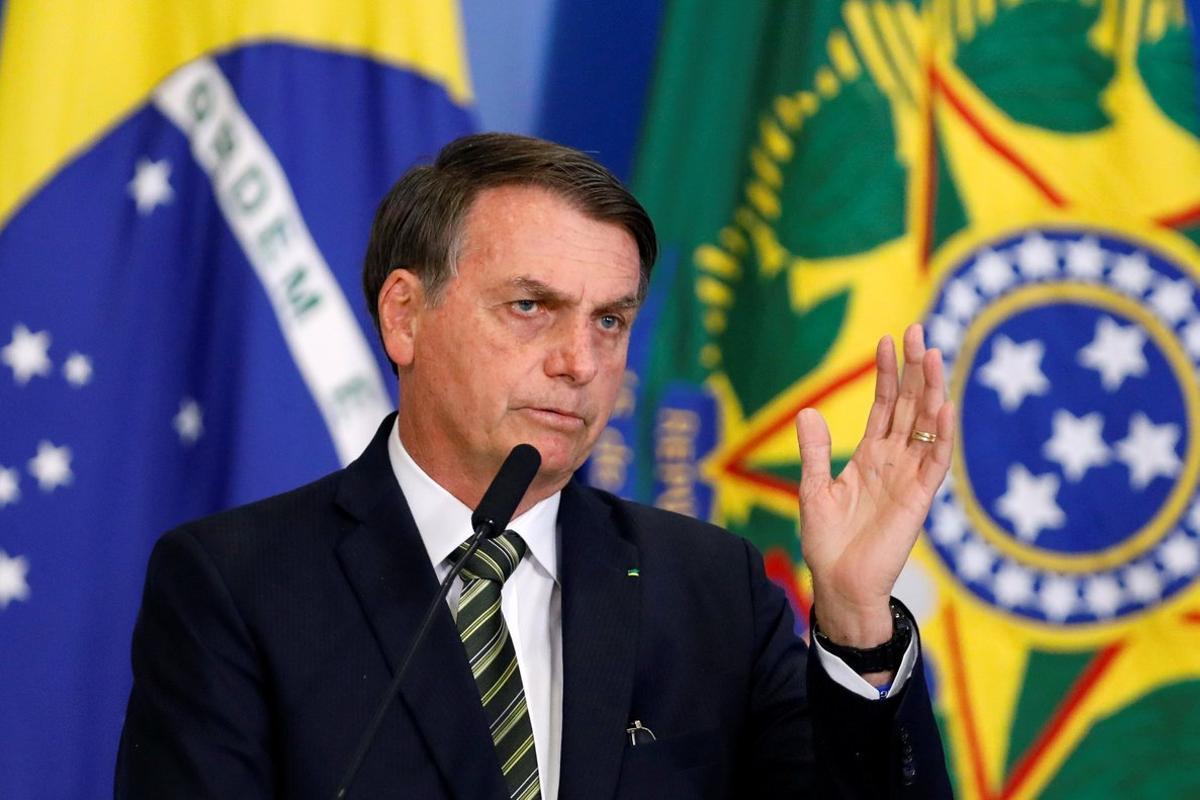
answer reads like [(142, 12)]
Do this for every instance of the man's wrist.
[(852, 624), (878, 662)]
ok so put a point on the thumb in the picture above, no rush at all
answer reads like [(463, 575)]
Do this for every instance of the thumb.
[(812, 434)]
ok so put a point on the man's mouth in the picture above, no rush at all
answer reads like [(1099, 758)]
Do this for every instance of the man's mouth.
[(560, 419)]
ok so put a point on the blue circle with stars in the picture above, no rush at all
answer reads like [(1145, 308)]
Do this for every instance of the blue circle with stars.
[(1075, 425), (1036, 432)]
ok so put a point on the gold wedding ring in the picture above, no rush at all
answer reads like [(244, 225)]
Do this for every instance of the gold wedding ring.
[(923, 436)]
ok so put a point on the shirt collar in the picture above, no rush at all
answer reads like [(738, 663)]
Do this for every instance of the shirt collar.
[(444, 522)]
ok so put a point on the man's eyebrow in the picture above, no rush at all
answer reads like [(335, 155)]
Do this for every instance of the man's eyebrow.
[(627, 303), (538, 290)]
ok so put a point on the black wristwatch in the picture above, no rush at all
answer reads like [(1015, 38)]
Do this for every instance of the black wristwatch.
[(882, 658)]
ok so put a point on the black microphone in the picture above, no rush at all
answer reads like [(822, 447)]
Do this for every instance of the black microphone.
[(508, 487), (489, 520)]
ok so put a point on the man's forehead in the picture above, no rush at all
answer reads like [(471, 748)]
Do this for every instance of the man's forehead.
[(527, 236), (528, 208), (518, 199)]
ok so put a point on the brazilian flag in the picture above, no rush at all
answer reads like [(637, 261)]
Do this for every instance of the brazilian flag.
[(186, 190), (1023, 176)]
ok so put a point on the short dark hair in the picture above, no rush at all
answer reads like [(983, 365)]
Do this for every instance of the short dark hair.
[(419, 224)]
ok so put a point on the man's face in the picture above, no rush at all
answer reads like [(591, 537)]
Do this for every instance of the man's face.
[(527, 343)]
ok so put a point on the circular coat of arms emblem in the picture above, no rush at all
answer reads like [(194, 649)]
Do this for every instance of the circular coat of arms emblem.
[(1073, 355)]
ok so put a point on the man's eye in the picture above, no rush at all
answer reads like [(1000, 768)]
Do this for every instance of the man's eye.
[(611, 322), (524, 306)]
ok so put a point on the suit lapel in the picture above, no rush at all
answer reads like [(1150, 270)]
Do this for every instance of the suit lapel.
[(386, 562), (600, 602)]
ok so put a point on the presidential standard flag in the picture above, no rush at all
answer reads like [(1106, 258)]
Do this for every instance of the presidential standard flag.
[(186, 191), (1023, 176)]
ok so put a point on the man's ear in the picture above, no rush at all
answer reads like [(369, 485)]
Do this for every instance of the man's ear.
[(401, 301)]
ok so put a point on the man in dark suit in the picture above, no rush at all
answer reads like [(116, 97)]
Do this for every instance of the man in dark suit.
[(603, 649)]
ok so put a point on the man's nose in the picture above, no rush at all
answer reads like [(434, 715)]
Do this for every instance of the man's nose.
[(573, 353)]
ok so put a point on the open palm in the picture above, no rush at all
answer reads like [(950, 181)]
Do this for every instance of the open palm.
[(858, 530)]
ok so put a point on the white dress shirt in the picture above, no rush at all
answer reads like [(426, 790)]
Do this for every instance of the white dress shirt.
[(532, 597)]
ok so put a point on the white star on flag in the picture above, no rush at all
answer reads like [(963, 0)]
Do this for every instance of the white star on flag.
[(993, 273), (26, 355), (13, 582), (1030, 503), (1172, 300), (1115, 352), (949, 523), (1036, 257), (51, 466), (945, 334), (974, 560), (10, 486), (1015, 371), (1132, 273), (151, 186), (961, 299), (1191, 338), (77, 369), (1058, 597), (189, 422), (1180, 555), (1085, 259), (1077, 443), (1103, 595), (1149, 450), (1013, 585), (1143, 583)]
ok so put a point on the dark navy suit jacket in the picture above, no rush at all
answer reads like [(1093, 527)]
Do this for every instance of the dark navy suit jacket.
[(268, 633)]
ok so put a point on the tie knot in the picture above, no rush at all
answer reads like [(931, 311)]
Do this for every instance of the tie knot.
[(495, 559)]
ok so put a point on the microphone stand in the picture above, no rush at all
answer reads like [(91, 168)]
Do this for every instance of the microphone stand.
[(364, 744)]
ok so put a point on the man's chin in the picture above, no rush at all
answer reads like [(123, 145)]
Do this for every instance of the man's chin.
[(559, 459), (562, 451)]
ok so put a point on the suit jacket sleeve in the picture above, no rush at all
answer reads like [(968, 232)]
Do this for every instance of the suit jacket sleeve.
[(809, 737), (197, 724)]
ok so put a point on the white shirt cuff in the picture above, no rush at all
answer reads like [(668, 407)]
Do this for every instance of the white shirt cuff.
[(851, 681)]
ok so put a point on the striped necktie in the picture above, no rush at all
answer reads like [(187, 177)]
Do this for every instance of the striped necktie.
[(494, 661)]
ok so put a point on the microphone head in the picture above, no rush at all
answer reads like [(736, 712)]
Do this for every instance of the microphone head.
[(501, 499)]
